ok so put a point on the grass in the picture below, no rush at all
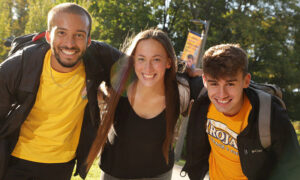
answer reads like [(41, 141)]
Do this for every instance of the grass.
[(180, 162), (94, 172), (297, 128)]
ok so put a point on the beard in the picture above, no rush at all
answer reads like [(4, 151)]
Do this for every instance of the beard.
[(65, 64)]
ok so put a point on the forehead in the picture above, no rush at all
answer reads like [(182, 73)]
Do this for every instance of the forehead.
[(70, 21), (150, 46), (237, 77)]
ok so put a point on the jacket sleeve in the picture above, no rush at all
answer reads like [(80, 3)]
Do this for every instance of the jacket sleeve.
[(197, 144), (284, 145), (9, 71), (108, 55)]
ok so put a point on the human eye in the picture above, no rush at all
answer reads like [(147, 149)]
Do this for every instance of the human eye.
[(60, 33), (213, 83), (80, 36), (230, 84), (140, 59), (156, 59)]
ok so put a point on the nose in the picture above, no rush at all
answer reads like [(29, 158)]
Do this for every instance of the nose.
[(70, 41), (148, 66), (223, 92)]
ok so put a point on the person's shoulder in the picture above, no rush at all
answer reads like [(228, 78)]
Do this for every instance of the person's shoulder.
[(100, 45), (26, 55), (12, 61), (101, 49)]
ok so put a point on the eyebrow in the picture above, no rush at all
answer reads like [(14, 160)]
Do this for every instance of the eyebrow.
[(79, 30), (231, 80), (152, 56)]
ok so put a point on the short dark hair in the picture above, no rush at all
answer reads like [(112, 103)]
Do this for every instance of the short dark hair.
[(225, 60), (190, 56), (68, 8)]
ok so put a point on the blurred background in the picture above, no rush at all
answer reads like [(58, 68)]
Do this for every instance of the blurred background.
[(269, 30)]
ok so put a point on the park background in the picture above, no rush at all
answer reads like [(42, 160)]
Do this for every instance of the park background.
[(269, 30)]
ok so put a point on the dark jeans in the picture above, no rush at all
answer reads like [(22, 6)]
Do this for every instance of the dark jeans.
[(20, 169)]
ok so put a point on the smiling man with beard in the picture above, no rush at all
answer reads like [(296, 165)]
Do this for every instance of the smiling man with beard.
[(45, 122)]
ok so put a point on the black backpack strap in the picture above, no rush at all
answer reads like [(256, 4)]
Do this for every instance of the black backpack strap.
[(264, 118), (23, 41)]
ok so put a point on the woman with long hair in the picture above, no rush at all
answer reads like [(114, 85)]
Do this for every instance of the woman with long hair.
[(136, 134)]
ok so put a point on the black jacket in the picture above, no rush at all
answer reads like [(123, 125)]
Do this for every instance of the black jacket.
[(19, 83), (279, 161)]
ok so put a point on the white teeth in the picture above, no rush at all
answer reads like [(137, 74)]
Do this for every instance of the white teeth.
[(223, 102), (148, 76), (68, 52)]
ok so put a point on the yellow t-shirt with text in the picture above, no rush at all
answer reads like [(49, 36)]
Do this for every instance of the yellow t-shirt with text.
[(222, 130), (51, 132)]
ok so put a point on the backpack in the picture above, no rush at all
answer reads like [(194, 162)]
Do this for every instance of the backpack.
[(264, 92), (26, 40)]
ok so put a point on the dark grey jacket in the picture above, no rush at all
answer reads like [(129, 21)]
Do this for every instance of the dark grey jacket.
[(19, 83), (279, 161)]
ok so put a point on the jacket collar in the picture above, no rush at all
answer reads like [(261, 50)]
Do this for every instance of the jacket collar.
[(32, 62), (251, 94), (33, 56)]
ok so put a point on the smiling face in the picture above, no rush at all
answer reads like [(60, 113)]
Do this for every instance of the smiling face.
[(69, 39), (227, 93), (150, 62)]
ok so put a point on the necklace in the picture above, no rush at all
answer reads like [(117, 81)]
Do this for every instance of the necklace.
[(65, 84)]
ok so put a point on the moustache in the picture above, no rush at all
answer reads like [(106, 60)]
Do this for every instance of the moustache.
[(68, 48)]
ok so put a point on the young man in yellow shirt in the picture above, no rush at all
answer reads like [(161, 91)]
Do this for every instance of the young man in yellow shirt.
[(45, 122), (223, 141)]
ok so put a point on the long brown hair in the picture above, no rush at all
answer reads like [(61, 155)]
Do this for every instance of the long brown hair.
[(171, 94)]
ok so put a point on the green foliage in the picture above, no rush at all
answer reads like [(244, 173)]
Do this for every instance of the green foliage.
[(5, 29), (268, 30), (19, 17), (114, 20), (38, 10), (94, 172)]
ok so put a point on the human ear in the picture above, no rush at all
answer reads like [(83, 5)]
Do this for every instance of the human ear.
[(47, 36), (247, 80), (204, 81), (89, 41), (168, 65)]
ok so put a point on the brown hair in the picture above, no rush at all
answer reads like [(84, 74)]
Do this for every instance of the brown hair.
[(225, 60), (171, 95), (68, 8)]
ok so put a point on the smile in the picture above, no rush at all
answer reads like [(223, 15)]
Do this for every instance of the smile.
[(68, 52), (148, 76), (223, 101)]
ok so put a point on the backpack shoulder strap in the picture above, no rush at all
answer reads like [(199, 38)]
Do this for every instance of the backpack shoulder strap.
[(25, 40), (264, 118)]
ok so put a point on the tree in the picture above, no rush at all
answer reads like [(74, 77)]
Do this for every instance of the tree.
[(114, 20), (5, 28), (268, 30), (37, 15), (19, 17)]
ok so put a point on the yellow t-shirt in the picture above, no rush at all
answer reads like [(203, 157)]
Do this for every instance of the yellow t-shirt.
[(222, 130), (50, 134)]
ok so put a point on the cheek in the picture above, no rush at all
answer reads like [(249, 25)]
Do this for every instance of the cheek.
[(161, 68), (137, 67), (82, 44), (210, 95)]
